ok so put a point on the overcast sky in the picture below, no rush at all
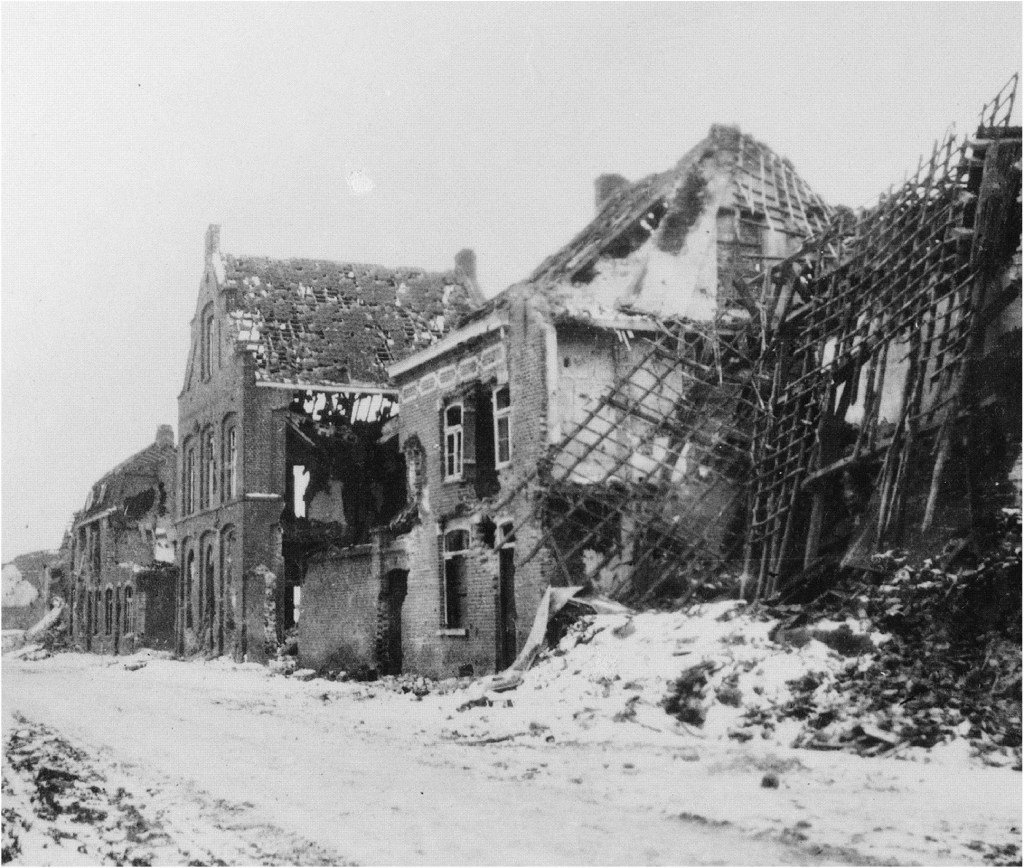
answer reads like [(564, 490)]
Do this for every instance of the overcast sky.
[(395, 134)]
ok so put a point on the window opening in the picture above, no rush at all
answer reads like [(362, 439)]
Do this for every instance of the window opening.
[(502, 427), (453, 441), (300, 482), (456, 544), (190, 575), (231, 461), (129, 612), (210, 471), (108, 612)]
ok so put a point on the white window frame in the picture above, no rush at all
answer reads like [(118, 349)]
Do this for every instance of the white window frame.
[(457, 434), (503, 414)]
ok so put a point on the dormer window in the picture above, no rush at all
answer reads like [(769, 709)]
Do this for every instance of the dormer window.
[(453, 441)]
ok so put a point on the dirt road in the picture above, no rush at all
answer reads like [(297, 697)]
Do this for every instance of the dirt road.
[(210, 763)]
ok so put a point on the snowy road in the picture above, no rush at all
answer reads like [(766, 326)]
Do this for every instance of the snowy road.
[(242, 765)]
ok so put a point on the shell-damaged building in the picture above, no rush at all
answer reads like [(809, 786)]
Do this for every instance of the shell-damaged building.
[(553, 435), (287, 429), (119, 554), (718, 384)]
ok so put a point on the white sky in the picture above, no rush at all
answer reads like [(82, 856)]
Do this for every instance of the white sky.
[(127, 128)]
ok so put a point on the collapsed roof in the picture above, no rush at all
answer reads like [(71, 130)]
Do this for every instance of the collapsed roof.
[(680, 242), (320, 322), (120, 488)]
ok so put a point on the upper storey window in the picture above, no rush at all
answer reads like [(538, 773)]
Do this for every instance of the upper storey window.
[(230, 446), (453, 441), (189, 471), (209, 493), (209, 345), (502, 427)]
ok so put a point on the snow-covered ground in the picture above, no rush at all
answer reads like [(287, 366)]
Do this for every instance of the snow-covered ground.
[(578, 764)]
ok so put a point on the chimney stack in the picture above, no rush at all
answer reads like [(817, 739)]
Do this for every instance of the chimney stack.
[(465, 264), (607, 186), (212, 240), (465, 261), (165, 436)]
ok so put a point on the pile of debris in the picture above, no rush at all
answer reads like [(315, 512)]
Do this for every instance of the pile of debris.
[(914, 658), (951, 668)]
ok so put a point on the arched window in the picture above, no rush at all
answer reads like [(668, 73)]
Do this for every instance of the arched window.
[(207, 497), (209, 347), (190, 575), (188, 474), (229, 457), (108, 612), (129, 611), (210, 567), (227, 576)]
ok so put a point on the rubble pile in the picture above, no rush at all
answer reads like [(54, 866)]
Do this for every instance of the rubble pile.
[(952, 667), (893, 662)]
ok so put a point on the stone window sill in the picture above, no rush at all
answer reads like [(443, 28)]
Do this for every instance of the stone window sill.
[(461, 631)]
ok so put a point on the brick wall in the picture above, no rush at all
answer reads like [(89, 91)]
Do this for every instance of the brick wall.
[(338, 625), (245, 531), (427, 648)]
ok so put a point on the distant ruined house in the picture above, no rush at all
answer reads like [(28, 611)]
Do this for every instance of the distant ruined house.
[(26, 589), (288, 455), (122, 575)]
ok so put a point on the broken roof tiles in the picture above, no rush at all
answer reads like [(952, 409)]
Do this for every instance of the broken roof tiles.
[(762, 186), (316, 321), (119, 484)]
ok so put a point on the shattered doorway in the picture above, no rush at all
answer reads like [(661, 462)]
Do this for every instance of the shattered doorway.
[(393, 591)]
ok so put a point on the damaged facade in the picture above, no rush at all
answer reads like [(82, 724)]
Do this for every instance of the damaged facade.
[(120, 552), (891, 384), (720, 384), (288, 456), (558, 430)]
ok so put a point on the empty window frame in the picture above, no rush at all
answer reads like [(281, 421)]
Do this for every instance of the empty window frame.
[(209, 346), (453, 440), (129, 612), (456, 546), (189, 481), (108, 612), (209, 591), (502, 427), (209, 493), (190, 576), (230, 442)]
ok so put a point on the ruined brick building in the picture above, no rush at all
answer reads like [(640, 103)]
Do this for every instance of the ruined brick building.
[(288, 453), (547, 444), (120, 553), (720, 382)]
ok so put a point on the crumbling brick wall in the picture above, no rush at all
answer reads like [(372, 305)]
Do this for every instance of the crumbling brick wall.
[(427, 646)]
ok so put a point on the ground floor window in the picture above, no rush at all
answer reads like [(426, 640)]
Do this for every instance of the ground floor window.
[(129, 612), (108, 612), (456, 545)]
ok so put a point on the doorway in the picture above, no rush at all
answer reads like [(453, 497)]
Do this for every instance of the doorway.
[(506, 626), (393, 590)]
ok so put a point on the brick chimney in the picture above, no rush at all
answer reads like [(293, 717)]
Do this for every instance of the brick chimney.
[(607, 186), (465, 264), (212, 240), (165, 436)]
